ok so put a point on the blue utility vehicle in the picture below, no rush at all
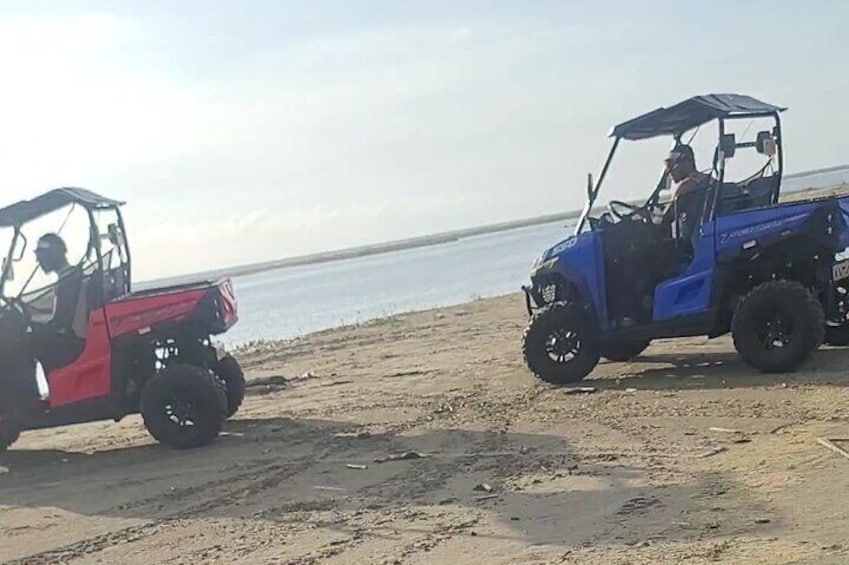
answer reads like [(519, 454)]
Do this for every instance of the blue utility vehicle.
[(727, 257)]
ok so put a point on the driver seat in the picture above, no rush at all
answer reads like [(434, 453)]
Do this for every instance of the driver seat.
[(72, 346)]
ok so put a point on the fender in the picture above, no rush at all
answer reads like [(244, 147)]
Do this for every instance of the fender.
[(574, 287)]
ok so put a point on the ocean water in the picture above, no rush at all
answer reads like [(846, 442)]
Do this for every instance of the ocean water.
[(292, 301), (287, 302)]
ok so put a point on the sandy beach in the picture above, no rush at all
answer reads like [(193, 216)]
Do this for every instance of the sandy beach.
[(422, 439)]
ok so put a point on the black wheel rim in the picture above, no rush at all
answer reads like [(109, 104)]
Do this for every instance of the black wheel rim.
[(774, 330), (563, 345), (181, 411)]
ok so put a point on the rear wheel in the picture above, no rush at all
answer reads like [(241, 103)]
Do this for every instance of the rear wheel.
[(184, 406), (777, 326), (560, 344), (623, 351), (228, 370)]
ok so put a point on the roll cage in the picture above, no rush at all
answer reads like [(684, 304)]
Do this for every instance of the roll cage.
[(677, 120), (111, 281)]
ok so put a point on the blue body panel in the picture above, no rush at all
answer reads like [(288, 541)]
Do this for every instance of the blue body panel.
[(689, 293), (843, 204), (580, 261), (580, 257), (733, 230)]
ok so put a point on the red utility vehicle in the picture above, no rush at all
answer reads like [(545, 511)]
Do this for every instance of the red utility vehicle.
[(147, 352)]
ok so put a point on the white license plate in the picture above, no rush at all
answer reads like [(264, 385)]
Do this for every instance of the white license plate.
[(840, 271)]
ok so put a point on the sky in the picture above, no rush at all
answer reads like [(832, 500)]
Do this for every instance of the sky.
[(248, 131)]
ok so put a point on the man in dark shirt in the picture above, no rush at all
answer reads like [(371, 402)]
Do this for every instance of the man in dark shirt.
[(688, 195), (61, 339), (672, 253)]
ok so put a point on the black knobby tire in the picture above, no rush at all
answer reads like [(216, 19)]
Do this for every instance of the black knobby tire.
[(625, 351), (228, 370), (572, 330), (777, 326), (181, 393)]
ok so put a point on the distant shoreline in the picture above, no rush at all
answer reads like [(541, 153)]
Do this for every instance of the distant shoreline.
[(409, 243)]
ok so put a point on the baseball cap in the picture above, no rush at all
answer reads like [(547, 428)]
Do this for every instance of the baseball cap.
[(681, 152)]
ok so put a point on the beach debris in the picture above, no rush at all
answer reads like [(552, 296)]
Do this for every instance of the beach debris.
[(410, 373), (630, 390), (828, 443), (274, 381), (580, 390), (762, 520), (724, 430), (338, 383), (483, 487), (713, 451), (406, 456), (638, 504), (356, 467), (443, 408), (780, 427)]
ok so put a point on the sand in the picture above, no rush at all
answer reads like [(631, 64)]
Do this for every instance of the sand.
[(422, 439), (499, 468)]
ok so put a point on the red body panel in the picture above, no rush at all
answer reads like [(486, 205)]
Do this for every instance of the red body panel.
[(229, 306), (90, 376), (135, 313)]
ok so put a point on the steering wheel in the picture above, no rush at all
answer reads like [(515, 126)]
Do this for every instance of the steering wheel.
[(639, 211), (18, 305)]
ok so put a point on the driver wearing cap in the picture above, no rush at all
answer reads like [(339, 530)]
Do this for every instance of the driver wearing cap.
[(671, 255), (689, 190), (60, 339)]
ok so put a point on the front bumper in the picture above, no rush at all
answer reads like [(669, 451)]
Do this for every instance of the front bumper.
[(528, 299)]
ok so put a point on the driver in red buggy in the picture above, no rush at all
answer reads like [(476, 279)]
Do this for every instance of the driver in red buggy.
[(61, 339)]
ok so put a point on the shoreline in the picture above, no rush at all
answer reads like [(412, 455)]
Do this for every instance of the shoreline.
[(266, 343), (422, 241)]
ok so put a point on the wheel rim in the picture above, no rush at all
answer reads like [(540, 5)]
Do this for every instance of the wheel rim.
[(563, 345), (181, 411), (774, 330)]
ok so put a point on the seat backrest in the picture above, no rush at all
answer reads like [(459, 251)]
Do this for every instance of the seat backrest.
[(755, 193)]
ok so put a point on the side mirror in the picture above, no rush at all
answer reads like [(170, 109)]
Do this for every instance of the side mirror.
[(114, 235), (765, 144), (728, 145)]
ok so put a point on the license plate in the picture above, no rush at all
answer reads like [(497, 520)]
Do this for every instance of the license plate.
[(840, 271)]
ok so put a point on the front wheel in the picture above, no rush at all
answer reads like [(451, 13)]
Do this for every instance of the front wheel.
[(184, 406), (777, 326), (560, 345)]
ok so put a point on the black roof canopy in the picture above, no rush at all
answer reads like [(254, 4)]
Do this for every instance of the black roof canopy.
[(691, 113), (28, 210)]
